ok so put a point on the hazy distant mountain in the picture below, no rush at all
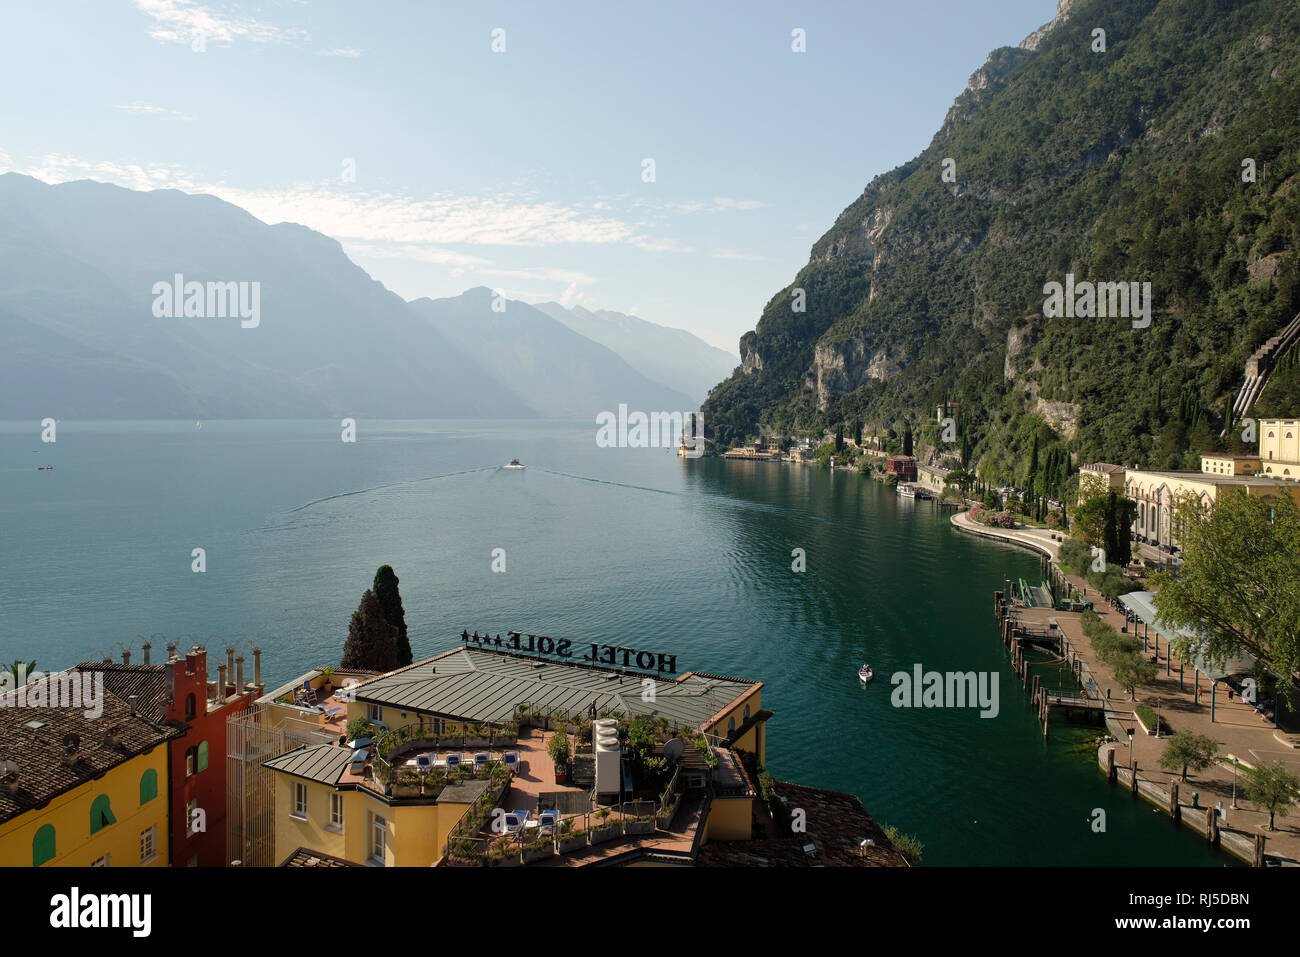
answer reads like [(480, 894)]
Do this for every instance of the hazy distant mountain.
[(556, 370), (79, 336), (674, 357)]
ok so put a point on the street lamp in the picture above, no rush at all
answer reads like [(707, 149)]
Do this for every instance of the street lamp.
[(1132, 761), (1233, 759)]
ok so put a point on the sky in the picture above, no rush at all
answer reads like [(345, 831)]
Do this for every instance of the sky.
[(451, 145)]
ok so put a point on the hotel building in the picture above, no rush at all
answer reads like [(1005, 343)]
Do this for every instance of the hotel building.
[(460, 769)]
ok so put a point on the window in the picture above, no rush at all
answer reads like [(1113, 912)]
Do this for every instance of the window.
[(101, 814), (336, 811), (43, 845), (299, 801), (378, 838), (148, 786), (191, 806), (374, 712), (203, 755), (190, 707), (746, 712), (731, 726), (149, 844), (101, 861)]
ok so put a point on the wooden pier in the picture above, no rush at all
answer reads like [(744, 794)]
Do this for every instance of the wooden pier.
[(1019, 635)]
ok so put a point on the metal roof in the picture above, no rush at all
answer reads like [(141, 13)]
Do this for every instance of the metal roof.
[(488, 685), (321, 762), (1140, 603)]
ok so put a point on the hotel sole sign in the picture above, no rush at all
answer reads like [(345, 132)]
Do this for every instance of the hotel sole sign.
[(595, 653)]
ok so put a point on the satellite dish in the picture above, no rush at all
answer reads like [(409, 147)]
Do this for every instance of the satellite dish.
[(674, 748)]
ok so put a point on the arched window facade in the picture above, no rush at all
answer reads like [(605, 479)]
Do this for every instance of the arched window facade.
[(101, 813), (148, 786), (191, 705), (203, 756), (43, 845)]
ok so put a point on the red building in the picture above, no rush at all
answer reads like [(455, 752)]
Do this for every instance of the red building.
[(904, 466), (179, 694)]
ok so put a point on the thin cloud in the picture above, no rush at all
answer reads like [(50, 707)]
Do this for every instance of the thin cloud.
[(341, 51), (184, 21), (139, 106)]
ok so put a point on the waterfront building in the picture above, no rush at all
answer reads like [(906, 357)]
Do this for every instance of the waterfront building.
[(81, 789), (1100, 478), (904, 466), (933, 478), (1275, 471), (179, 694), (463, 738), (751, 452)]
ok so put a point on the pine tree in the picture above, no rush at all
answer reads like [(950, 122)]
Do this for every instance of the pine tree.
[(390, 600), (372, 641)]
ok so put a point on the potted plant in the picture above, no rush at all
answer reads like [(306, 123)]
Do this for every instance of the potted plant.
[(407, 784), (434, 782), (504, 853), (571, 838), (558, 748), (538, 849), (605, 829), (641, 824), (327, 686)]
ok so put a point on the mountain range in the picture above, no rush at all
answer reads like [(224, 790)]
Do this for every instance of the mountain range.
[(1124, 142), (114, 303)]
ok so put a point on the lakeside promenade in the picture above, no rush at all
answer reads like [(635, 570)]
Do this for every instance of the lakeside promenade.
[(1184, 706)]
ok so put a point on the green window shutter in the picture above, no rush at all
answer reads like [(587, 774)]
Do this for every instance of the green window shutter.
[(43, 845), (203, 755), (101, 814), (148, 786)]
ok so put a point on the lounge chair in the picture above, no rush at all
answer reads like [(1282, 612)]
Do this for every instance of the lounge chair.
[(453, 761), (423, 762), (512, 760), (480, 761)]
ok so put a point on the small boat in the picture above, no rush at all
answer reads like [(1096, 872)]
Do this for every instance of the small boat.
[(907, 491), (45, 468), (865, 673), (514, 464)]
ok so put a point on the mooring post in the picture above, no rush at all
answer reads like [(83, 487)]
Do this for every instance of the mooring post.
[(1175, 809), (1212, 825), (1111, 773), (1259, 850)]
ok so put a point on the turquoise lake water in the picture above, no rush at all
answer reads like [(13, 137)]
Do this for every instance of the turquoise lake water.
[(629, 546)]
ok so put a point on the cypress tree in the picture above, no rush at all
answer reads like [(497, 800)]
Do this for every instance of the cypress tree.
[(390, 600), (907, 440), (372, 641)]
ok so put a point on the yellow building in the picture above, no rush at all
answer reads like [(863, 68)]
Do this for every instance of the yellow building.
[(80, 788), (1214, 463), (1157, 494), (1279, 448)]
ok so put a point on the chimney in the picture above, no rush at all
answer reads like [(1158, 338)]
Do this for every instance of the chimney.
[(133, 699), (239, 675), (257, 666), (126, 656), (222, 692), (230, 659), (171, 650), (147, 646)]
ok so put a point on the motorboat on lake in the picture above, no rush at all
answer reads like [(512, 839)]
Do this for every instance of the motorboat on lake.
[(865, 673), (514, 464)]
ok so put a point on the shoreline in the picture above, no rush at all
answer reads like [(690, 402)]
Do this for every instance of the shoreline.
[(1243, 839)]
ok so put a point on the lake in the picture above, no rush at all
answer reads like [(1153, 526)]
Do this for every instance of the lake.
[(633, 547)]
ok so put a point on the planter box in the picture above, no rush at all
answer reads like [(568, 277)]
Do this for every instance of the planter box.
[(573, 842), (538, 854), (605, 833), (510, 860), (561, 777), (406, 790), (640, 827)]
